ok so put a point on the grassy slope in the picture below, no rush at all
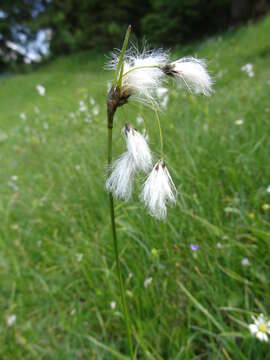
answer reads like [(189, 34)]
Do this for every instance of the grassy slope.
[(196, 307)]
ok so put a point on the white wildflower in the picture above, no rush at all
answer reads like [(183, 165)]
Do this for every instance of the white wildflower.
[(147, 282), (82, 106), (158, 189), (193, 73), (248, 68), (120, 180), (245, 262), (268, 189), (10, 320), (138, 148), (23, 116), (113, 305), (41, 89), (239, 121), (260, 328)]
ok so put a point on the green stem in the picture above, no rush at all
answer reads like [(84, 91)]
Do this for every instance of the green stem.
[(116, 252), (113, 101), (120, 65), (159, 127), (141, 67)]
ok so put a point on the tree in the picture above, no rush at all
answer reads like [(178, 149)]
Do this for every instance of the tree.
[(17, 27)]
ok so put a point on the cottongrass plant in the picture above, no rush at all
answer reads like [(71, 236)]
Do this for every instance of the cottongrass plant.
[(139, 76)]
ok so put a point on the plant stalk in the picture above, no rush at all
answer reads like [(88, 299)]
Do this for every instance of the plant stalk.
[(111, 111)]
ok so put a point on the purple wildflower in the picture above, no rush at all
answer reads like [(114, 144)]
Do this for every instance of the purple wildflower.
[(194, 247)]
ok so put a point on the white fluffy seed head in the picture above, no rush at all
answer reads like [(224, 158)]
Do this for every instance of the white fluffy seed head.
[(138, 148), (142, 73), (193, 73), (120, 180), (158, 190)]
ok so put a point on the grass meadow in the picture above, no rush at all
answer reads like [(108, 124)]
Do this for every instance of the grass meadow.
[(57, 269)]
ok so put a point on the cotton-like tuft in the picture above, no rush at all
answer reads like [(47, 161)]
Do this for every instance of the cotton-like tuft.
[(142, 73), (193, 73), (158, 190), (120, 180), (138, 148)]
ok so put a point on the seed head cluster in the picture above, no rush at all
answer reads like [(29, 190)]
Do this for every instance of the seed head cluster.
[(143, 77), (145, 72)]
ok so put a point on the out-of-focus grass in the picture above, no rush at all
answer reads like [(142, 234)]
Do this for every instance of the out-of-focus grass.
[(57, 270)]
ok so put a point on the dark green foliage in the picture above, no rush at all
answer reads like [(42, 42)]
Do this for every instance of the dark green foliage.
[(86, 24), (19, 23), (100, 24), (92, 23), (174, 21)]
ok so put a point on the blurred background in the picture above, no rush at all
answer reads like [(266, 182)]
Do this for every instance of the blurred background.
[(33, 30)]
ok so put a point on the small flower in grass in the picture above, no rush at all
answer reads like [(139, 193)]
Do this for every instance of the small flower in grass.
[(194, 247), (219, 245), (41, 90), (158, 190), (248, 68), (147, 282), (82, 106), (113, 305), (245, 262), (23, 116), (10, 320), (239, 121), (120, 180), (260, 328), (137, 146), (268, 189), (193, 73)]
